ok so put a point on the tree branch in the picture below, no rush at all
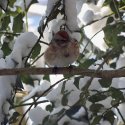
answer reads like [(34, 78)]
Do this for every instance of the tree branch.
[(66, 71)]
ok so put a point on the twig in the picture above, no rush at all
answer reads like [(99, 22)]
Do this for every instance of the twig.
[(26, 15), (26, 104), (44, 43), (120, 114), (39, 97), (9, 33), (37, 59), (102, 18), (117, 9), (88, 40), (40, 54), (97, 20), (33, 49), (95, 34), (102, 92), (24, 115)]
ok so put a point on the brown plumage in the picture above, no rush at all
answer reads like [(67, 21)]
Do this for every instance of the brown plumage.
[(62, 51)]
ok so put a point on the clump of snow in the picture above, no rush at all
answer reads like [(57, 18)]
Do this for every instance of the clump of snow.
[(37, 115), (100, 3), (74, 94), (38, 90), (73, 97), (53, 26), (2, 63), (56, 95), (9, 62), (86, 14), (5, 93), (71, 14), (6, 85), (23, 46), (89, 13)]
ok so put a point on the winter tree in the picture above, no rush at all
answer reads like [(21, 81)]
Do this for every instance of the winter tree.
[(62, 62)]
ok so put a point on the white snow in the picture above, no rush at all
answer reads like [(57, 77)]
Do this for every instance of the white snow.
[(23, 46), (5, 92), (6, 89), (37, 115), (56, 96), (38, 90), (88, 14), (71, 14)]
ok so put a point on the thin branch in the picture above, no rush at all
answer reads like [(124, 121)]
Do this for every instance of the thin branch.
[(46, 91), (33, 49), (66, 71), (40, 54), (45, 43), (95, 34), (120, 114), (26, 15), (37, 59), (97, 20), (9, 33), (117, 9), (112, 13), (27, 104), (20, 122), (102, 92)]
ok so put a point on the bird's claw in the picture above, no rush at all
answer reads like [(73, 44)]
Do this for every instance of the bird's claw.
[(71, 66), (54, 70)]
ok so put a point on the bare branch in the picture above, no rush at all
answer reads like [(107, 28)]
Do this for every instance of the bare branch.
[(66, 71)]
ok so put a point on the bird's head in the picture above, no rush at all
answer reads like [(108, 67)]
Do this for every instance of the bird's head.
[(61, 38)]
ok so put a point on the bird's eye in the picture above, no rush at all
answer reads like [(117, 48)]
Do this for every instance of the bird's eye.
[(75, 40), (60, 41), (63, 41)]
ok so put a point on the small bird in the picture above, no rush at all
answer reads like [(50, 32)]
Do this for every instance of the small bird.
[(62, 51)]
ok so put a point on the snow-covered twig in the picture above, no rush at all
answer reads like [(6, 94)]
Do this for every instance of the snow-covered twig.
[(39, 97)]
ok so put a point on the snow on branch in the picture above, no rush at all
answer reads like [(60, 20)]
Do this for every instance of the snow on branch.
[(67, 71)]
